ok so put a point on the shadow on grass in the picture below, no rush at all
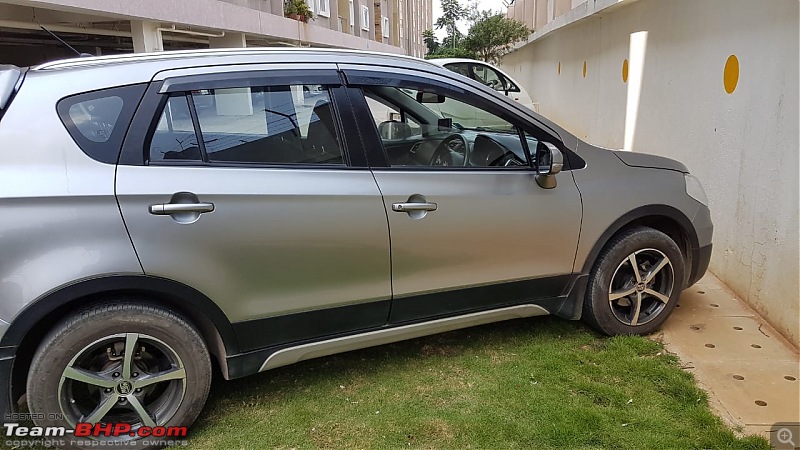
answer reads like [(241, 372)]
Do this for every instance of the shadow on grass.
[(371, 361), (529, 383)]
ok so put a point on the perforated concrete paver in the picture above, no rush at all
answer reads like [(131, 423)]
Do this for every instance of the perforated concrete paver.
[(752, 374)]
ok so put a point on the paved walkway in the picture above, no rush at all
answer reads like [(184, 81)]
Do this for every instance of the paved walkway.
[(752, 374)]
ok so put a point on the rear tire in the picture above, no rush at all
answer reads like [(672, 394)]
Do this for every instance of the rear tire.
[(621, 300), (84, 370)]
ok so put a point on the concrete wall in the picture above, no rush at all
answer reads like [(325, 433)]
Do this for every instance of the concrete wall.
[(743, 145)]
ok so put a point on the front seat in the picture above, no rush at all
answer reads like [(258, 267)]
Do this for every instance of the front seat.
[(393, 130)]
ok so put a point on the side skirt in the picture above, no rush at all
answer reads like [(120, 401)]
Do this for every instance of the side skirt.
[(299, 353), (270, 358)]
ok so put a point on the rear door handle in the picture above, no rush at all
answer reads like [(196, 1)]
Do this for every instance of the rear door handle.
[(414, 206), (165, 209)]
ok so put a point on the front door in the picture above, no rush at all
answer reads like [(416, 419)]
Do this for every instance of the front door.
[(247, 193), (470, 227)]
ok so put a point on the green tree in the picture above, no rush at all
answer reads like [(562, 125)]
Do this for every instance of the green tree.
[(452, 12), (430, 41), (452, 52), (492, 35)]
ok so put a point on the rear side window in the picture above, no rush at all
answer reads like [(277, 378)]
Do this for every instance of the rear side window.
[(288, 124), (98, 120)]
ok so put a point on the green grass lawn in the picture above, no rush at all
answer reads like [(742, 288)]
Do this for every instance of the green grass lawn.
[(526, 384)]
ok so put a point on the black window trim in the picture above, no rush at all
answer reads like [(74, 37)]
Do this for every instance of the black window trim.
[(136, 147), (131, 96), (357, 78)]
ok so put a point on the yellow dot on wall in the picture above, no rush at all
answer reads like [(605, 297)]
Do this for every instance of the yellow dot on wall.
[(584, 69), (730, 77), (559, 67), (625, 70)]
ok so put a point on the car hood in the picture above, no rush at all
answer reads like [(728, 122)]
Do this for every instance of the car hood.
[(650, 161)]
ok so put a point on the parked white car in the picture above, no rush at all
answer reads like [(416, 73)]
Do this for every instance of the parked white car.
[(488, 75)]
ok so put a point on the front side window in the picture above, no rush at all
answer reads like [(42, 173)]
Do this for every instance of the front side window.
[(425, 128), (489, 77), (263, 125)]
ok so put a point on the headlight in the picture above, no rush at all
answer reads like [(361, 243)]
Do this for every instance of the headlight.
[(695, 190)]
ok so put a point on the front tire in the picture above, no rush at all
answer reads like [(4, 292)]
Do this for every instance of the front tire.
[(635, 283), (121, 362)]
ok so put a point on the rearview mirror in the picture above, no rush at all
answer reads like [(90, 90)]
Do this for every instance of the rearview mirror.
[(549, 162), (429, 97)]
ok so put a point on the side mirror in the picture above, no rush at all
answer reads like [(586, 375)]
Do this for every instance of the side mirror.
[(549, 161)]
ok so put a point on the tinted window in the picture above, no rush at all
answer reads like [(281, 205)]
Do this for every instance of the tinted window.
[(175, 137), (448, 133), (460, 68), (392, 123), (95, 119), (267, 125), (489, 77), (98, 120)]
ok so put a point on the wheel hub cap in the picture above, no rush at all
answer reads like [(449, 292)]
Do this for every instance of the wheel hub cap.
[(124, 387)]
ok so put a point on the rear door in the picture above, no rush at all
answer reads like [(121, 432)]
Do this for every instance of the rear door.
[(240, 183)]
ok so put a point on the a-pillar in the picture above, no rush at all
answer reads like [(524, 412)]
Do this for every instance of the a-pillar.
[(146, 37), (230, 40)]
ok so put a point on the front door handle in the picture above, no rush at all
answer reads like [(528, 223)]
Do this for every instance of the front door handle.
[(165, 209), (414, 206)]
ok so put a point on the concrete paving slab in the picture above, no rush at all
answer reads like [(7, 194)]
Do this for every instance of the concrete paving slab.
[(752, 374), (721, 339)]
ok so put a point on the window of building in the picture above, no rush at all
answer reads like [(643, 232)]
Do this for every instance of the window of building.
[(365, 17), (352, 18), (385, 27), (324, 8), (311, 5)]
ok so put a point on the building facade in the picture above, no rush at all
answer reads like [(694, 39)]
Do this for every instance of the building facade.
[(711, 83), (100, 27)]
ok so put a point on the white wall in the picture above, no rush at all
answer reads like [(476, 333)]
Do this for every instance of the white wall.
[(743, 145)]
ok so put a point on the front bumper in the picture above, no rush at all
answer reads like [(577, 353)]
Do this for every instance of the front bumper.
[(700, 259)]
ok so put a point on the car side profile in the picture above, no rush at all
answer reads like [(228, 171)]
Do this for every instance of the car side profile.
[(260, 207), (489, 75)]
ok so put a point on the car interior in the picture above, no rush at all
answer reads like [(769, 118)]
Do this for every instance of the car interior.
[(269, 125), (421, 128)]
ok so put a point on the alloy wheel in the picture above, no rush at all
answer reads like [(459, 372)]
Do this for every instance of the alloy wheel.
[(641, 287), (127, 377)]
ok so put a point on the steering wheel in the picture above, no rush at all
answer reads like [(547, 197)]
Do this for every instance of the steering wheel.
[(507, 159), (452, 151)]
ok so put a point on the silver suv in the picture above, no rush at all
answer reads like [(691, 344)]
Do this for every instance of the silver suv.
[(260, 207)]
